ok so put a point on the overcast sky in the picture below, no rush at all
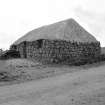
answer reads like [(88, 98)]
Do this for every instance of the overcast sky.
[(17, 17)]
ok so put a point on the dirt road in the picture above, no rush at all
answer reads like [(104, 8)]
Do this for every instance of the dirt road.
[(78, 88)]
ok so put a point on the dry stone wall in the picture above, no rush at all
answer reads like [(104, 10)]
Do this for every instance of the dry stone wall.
[(58, 51)]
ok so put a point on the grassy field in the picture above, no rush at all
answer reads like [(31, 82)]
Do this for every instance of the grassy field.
[(83, 87), (21, 70)]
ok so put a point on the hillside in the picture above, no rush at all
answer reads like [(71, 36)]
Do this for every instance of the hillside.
[(67, 30)]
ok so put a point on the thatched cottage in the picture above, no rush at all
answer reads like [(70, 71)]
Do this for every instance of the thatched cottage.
[(64, 42)]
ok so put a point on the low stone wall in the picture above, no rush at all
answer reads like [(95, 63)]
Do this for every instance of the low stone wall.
[(58, 51)]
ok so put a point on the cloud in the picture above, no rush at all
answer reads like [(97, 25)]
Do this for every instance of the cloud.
[(20, 16), (4, 40), (94, 21)]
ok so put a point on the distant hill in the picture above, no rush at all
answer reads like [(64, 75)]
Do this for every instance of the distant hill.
[(67, 30)]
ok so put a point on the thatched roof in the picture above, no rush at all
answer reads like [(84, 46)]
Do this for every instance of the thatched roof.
[(67, 30)]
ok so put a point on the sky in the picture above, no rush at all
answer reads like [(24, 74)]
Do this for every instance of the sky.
[(17, 17)]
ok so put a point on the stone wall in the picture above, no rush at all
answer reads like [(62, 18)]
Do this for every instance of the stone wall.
[(58, 51)]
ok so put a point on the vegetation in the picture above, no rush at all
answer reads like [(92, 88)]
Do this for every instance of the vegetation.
[(84, 61)]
